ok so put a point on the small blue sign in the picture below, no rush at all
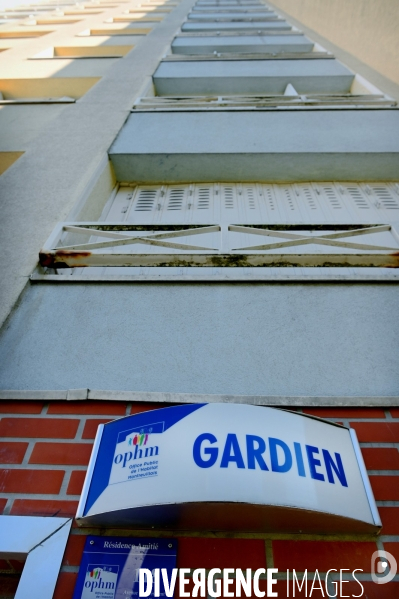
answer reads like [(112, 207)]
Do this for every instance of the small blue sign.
[(110, 566)]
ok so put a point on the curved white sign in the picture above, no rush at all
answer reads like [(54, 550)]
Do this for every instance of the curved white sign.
[(228, 466)]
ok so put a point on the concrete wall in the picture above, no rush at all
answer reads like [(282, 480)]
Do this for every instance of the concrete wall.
[(289, 339), (20, 124), (368, 29), (71, 148)]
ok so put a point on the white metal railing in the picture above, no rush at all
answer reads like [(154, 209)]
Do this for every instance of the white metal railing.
[(263, 102), (232, 231), (233, 245), (220, 56)]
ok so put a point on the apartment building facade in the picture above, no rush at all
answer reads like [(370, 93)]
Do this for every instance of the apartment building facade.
[(201, 205)]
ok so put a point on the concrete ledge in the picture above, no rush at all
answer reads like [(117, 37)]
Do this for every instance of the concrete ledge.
[(232, 16), (159, 397), (238, 26), (202, 77), (232, 9), (261, 44), (182, 168), (258, 146)]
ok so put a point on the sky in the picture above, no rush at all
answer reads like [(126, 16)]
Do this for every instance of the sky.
[(12, 3)]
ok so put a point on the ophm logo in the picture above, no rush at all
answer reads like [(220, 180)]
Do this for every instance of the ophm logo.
[(100, 582), (95, 573), (136, 453), (138, 439), (136, 450)]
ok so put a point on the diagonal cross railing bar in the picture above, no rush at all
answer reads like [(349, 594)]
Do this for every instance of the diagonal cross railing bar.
[(120, 239), (56, 256), (330, 239)]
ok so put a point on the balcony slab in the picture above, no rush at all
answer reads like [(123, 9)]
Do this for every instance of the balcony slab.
[(270, 146)]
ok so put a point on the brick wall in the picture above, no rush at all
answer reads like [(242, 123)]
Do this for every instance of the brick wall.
[(45, 448)]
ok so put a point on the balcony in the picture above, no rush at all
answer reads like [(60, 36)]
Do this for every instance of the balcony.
[(259, 74), (258, 145), (250, 43)]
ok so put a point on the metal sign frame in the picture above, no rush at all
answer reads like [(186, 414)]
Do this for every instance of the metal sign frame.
[(320, 517)]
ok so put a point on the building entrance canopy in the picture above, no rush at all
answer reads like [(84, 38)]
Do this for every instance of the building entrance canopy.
[(228, 467)]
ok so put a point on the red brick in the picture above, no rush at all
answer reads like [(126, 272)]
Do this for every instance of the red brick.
[(114, 408), (221, 553), (381, 458), (377, 432), (44, 507), (385, 488), (3, 503), (74, 550), (91, 426), (31, 481), (21, 407), (8, 584), (394, 549), (12, 453), (322, 555), (61, 453), (16, 564), (188, 588), (349, 589), (390, 520), (12, 565), (65, 585), (372, 590), (39, 427), (76, 482), (262, 587), (394, 412), (281, 588), (345, 412)]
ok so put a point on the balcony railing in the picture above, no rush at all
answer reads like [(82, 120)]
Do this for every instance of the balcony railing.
[(122, 245), (190, 103)]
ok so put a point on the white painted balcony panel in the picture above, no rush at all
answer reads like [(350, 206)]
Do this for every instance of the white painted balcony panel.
[(258, 146), (317, 223), (250, 44), (251, 77), (324, 203), (233, 9), (203, 16), (229, 3), (238, 26)]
